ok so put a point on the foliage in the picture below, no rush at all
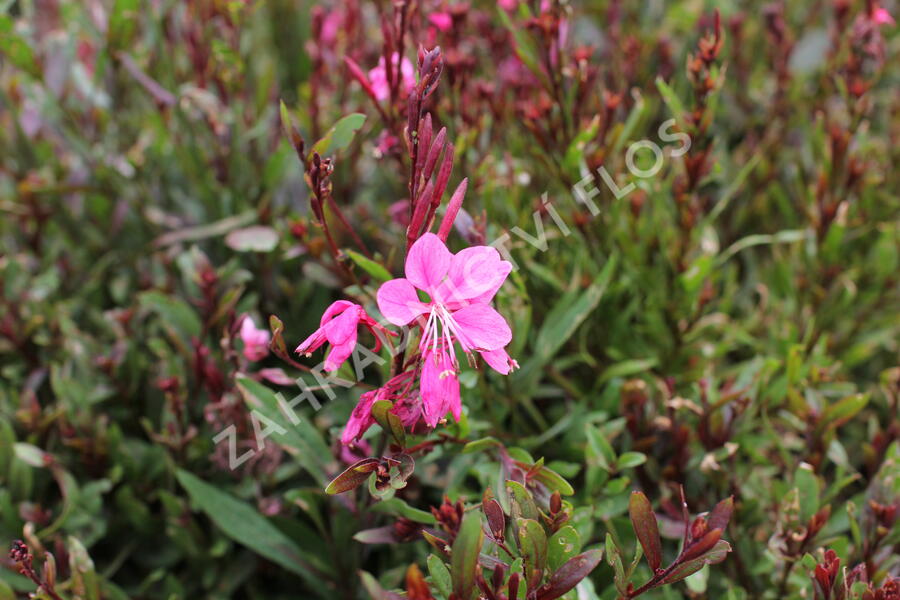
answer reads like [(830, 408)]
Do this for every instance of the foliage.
[(716, 334)]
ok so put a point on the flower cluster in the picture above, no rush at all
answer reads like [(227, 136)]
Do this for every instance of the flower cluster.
[(457, 312)]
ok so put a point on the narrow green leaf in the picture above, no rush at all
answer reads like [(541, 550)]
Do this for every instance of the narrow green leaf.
[(464, 555), (440, 575), (368, 265), (340, 135), (243, 524)]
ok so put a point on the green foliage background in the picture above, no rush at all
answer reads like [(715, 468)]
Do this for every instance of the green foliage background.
[(751, 352)]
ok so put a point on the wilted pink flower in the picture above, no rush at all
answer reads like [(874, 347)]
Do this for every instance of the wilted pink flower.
[(361, 418), (443, 21), (256, 341), (379, 81), (460, 288), (397, 390), (338, 327), (360, 450)]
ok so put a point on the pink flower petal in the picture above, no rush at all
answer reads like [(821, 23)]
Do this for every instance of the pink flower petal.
[(339, 353), (312, 343), (398, 302), (482, 327), (427, 263), (360, 419), (883, 17), (474, 276), (439, 387), (500, 361), (441, 20), (343, 327), (334, 309)]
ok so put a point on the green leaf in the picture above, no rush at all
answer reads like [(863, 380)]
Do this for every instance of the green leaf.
[(481, 445), (522, 503), (563, 545), (174, 312), (340, 135), (301, 439), (440, 575), (17, 49), (554, 481), (381, 412), (672, 100), (599, 449), (808, 490), (561, 322), (629, 460), (396, 506), (243, 524), (368, 265), (843, 410), (464, 555), (533, 548)]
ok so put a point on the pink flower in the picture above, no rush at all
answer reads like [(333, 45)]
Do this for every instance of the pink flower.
[(443, 21), (460, 288), (256, 341), (338, 327), (361, 418), (508, 5), (379, 81), (882, 17)]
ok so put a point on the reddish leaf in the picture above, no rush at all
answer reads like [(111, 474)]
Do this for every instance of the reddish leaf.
[(720, 515), (714, 556), (644, 522), (355, 475), (416, 588), (568, 575), (496, 520), (702, 545)]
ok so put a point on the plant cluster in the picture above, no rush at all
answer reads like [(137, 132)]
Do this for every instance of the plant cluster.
[(449, 299)]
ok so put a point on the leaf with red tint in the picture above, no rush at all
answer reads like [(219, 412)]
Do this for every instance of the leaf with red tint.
[(644, 522), (714, 556), (568, 575), (355, 475), (495, 518), (701, 545), (720, 515), (416, 588)]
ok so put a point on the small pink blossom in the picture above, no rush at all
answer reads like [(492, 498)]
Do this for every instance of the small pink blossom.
[(379, 81), (338, 327), (882, 17), (508, 5), (256, 341), (443, 21), (460, 286)]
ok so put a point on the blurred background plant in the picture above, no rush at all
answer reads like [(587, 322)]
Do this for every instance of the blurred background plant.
[(728, 327)]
